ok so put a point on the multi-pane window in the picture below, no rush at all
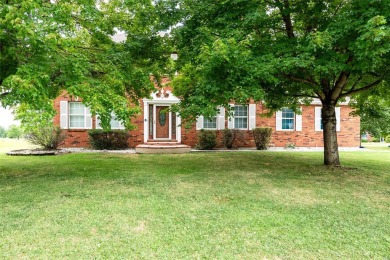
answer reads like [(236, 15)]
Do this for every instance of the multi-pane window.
[(216, 122), (240, 117), (77, 113), (288, 118), (210, 123)]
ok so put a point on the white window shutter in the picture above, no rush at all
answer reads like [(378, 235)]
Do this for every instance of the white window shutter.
[(88, 118), (231, 119), (317, 118), (199, 123), (252, 116), (338, 121), (279, 121), (221, 118), (64, 114), (298, 121)]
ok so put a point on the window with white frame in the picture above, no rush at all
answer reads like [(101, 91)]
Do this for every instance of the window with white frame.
[(288, 119), (77, 115), (210, 123), (244, 117), (216, 122), (74, 115), (241, 116)]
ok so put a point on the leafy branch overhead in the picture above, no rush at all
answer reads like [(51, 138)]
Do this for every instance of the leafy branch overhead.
[(50, 46), (328, 49)]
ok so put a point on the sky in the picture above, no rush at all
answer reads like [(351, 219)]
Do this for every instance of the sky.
[(7, 118)]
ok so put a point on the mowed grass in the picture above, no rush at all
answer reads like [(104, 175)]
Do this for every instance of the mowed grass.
[(225, 205), (7, 144), (377, 146)]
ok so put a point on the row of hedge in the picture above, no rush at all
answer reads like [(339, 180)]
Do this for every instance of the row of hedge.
[(50, 137), (207, 139), (118, 139)]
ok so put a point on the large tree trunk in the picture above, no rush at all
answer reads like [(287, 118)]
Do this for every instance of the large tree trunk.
[(331, 148)]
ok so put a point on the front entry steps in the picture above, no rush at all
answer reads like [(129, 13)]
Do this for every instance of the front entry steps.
[(162, 147)]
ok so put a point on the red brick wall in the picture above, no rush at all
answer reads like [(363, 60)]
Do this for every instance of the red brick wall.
[(79, 137), (349, 136), (74, 137), (137, 135)]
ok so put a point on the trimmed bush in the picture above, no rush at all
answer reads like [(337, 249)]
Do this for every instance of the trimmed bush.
[(108, 140), (228, 137), (387, 139), (207, 140), (48, 137), (262, 137)]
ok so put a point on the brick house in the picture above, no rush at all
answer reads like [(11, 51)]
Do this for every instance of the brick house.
[(156, 124)]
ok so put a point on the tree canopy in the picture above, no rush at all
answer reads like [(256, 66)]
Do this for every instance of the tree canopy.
[(285, 52), (47, 47)]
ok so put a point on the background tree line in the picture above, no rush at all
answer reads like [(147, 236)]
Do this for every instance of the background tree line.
[(13, 131)]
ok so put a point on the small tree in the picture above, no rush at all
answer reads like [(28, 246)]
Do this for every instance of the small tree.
[(38, 126), (48, 137)]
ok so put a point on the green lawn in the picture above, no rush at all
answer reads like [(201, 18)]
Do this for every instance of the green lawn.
[(377, 146), (248, 205), (7, 144)]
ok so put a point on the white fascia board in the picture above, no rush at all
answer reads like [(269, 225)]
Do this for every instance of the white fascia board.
[(317, 101)]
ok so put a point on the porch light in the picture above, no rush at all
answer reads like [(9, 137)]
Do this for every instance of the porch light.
[(174, 56)]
